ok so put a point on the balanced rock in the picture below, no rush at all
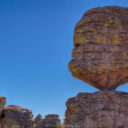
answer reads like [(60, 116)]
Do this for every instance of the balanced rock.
[(100, 56), (104, 109), (17, 117)]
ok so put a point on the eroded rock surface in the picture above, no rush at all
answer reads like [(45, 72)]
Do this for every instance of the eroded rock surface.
[(38, 118), (100, 56), (2, 103), (50, 121), (17, 117), (104, 109)]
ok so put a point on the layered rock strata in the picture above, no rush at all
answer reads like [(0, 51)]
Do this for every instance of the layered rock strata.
[(104, 109), (50, 121), (17, 117), (100, 56), (14, 116)]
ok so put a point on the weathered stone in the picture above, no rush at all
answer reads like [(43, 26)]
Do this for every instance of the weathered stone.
[(50, 121), (100, 56), (17, 117), (38, 118), (104, 109), (14, 116), (2, 103), (52, 116)]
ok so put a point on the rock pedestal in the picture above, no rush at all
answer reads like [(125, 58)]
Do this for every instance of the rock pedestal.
[(104, 109)]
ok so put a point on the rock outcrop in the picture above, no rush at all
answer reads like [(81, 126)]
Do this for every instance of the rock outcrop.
[(2, 103), (100, 56), (104, 109), (38, 118), (17, 117), (14, 116), (50, 121)]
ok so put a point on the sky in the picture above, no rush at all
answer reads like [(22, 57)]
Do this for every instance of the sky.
[(36, 42)]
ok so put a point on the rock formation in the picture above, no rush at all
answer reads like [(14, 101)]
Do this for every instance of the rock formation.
[(2, 103), (50, 121), (100, 56), (14, 116), (17, 117), (104, 109), (38, 118)]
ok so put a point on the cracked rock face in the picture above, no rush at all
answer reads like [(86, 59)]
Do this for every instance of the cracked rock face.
[(100, 56), (105, 109)]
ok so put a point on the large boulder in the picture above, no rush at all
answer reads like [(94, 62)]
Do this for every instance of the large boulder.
[(104, 109), (17, 117), (100, 56)]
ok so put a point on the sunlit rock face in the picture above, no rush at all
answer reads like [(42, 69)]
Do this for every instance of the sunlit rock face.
[(100, 56), (17, 117), (104, 109)]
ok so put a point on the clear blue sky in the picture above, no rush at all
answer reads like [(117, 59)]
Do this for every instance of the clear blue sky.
[(36, 41)]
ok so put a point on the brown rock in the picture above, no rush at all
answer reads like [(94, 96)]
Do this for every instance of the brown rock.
[(100, 56), (105, 109), (52, 116), (50, 121), (16, 116), (38, 118), (2, 103)]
